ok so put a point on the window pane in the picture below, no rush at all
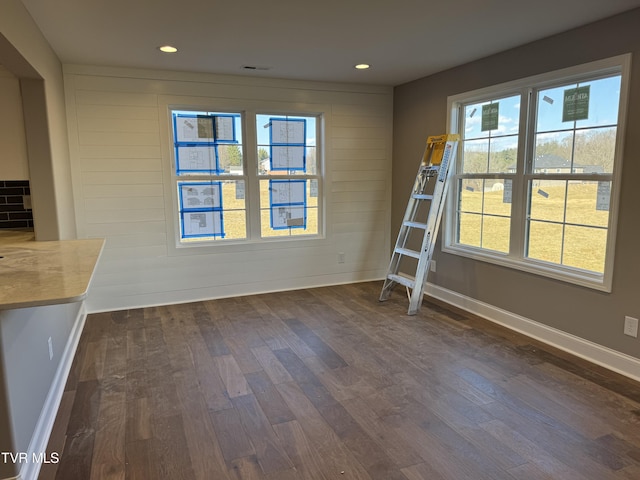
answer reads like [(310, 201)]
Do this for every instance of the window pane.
[(233, 196), (547, 200), (473, 121), (588, 203), (571, 217), (236, 224), (284, 212), (553, 152), (545, 241), (585, 248), (470, 229), (567, 140), (594, 150), (211, 210), (595, 103), (549, 109), (490, 142), (471, 195), (495, 233), (230, 159), (475, 156), (207, 143), (503, 154), (195, 159), (286, 144), (604, 101), (481, 121), (496, 200), (489, 226)]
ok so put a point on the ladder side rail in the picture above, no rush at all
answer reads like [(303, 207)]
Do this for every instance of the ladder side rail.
[(419, 185), (438, 155), (433, 224), (413, 204), (426, 253), (409, 215)]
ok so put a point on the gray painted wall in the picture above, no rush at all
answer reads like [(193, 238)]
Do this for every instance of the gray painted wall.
[(420, 109)]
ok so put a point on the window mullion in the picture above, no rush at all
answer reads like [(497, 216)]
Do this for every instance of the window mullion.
[(251, 176), (450, 218), (519, 195)]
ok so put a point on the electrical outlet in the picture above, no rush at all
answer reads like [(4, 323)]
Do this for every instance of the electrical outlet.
[(631, 326), (50, 342), (432, 266), (341, 257)]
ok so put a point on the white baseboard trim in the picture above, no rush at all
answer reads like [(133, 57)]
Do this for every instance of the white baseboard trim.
[(606, 357), (42, 432), (227, 291)]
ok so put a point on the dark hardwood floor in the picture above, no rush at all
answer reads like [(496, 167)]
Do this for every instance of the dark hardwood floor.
[(327, 383)]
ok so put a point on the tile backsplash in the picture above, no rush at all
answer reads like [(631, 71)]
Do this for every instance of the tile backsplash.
[(15, 204)]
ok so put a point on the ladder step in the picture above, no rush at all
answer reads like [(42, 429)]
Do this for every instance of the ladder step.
[(421, 196), (415, 225), (402, 280), (407, 252)]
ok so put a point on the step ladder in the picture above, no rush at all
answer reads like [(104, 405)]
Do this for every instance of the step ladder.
[(439, 154)]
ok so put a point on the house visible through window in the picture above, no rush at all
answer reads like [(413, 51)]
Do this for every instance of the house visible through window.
[(537, 175), (229, 191)]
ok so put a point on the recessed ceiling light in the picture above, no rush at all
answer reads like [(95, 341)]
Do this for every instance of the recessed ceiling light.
[(168, 49), (362, 66)]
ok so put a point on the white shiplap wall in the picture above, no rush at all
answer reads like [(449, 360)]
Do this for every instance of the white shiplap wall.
[(120, 155)]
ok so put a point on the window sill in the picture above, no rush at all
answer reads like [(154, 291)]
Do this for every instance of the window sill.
[(237, 246), (570, 275)]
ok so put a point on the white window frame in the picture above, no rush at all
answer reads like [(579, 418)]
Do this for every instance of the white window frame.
[(515, 258), (204, 177), (251, 176), (283, 175)]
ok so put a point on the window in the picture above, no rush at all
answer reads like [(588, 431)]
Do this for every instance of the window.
[(288, 175), (537, 173), (227, 191)]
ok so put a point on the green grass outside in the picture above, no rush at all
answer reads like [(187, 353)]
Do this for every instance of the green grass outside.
[(581, 246), (234, 215)]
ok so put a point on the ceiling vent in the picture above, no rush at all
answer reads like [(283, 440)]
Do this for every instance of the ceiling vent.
[(255, 67)]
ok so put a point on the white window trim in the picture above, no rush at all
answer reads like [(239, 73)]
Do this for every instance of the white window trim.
[(248, 108), (515, 259)]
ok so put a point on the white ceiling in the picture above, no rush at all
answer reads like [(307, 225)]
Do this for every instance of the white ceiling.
[(300, 39)]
